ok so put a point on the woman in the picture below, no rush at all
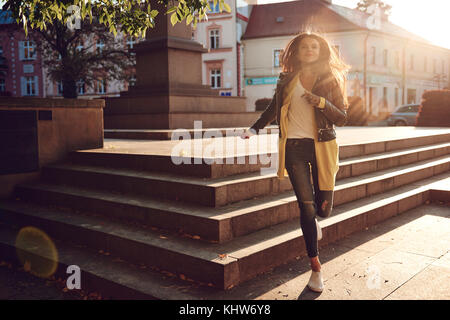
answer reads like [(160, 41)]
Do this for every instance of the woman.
[(310, 99)]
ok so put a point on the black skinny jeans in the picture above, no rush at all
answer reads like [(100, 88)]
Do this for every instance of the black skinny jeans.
[(302, 169)]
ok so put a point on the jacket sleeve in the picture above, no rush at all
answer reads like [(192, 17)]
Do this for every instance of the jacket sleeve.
[(267, 116), (336, 109)]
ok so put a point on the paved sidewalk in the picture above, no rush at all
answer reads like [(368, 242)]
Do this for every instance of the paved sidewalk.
[(406, 257), (16, 284)]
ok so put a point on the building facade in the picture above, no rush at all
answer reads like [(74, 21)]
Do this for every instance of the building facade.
[(390, 66), (24, 74), (221, 34)]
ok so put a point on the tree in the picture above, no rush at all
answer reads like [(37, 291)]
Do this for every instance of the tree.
[(134, 17), (364, 5), (69, 61)]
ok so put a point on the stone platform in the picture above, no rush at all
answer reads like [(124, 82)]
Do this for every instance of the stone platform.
[(190, 231)]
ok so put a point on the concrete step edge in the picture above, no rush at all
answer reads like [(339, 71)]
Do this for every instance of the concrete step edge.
[(99, 272)]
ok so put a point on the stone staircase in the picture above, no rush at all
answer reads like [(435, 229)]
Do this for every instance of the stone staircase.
[(141, 227)]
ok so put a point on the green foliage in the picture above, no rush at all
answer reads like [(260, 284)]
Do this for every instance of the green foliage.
[(133, 17)]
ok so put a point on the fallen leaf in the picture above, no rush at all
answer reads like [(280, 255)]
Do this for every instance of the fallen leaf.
[(27, 266), (222, 256), (182, 277), (196, 237)]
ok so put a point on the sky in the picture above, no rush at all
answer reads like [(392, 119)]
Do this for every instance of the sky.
[(428, 19)]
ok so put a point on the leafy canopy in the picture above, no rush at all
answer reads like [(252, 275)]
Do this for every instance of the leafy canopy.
[(132, 17)]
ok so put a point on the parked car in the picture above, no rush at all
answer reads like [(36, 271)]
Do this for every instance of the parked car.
[(404, 115)]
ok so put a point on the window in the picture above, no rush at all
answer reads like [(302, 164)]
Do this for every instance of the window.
[(27, 50), (411, 62), (215, 78), (385, 58), (1, 50), (276, 58), (214, 9), (411, 96), (372, 92), (434, 65), (81, 87), (406, 109), (29, 85), (373, 52), (100, 46), (397, 60), (214, 38), (60, 88), (101, 86), (2, 85), (396, 96), (385, 93), (130, 42), (425, 64)]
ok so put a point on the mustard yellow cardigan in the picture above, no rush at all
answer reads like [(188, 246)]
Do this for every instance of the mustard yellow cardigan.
[(327, 152)]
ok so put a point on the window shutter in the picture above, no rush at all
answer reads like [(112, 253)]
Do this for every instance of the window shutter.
[(23, 88), (21, 55), (36, 85)]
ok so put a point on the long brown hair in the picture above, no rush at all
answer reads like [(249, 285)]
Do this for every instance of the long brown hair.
[(328, 60)]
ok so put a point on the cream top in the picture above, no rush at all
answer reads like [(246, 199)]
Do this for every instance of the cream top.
[(300, 115)]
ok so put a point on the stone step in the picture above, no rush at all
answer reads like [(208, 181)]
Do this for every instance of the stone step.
[(133, 154), (221, 191), (223, 265), (191, 166), (166, 134), (99, 273), (175, 120), (224, 223)]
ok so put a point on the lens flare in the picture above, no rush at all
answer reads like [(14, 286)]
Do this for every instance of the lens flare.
[(37, 252)]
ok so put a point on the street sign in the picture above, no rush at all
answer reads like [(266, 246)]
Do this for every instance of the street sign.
[(259, 81)]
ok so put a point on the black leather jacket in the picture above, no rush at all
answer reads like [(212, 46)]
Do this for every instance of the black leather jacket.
[(334, 113)]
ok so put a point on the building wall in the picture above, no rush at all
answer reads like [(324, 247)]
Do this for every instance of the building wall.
[(229, 57), (18, 66), (259, 64), (11, 38)]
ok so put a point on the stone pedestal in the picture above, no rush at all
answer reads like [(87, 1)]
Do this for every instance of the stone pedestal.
[(168, 81)]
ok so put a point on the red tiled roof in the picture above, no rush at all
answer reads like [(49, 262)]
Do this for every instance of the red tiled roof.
[(297, 15), (316, 14)]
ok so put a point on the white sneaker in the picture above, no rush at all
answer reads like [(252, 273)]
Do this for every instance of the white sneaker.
[(319, 230), (316, 282)]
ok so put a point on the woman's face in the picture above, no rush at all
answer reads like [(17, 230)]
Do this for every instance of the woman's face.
[(308, 50)]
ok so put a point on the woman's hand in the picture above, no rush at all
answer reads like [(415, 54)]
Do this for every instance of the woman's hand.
[(247, 134), (311, 98)]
